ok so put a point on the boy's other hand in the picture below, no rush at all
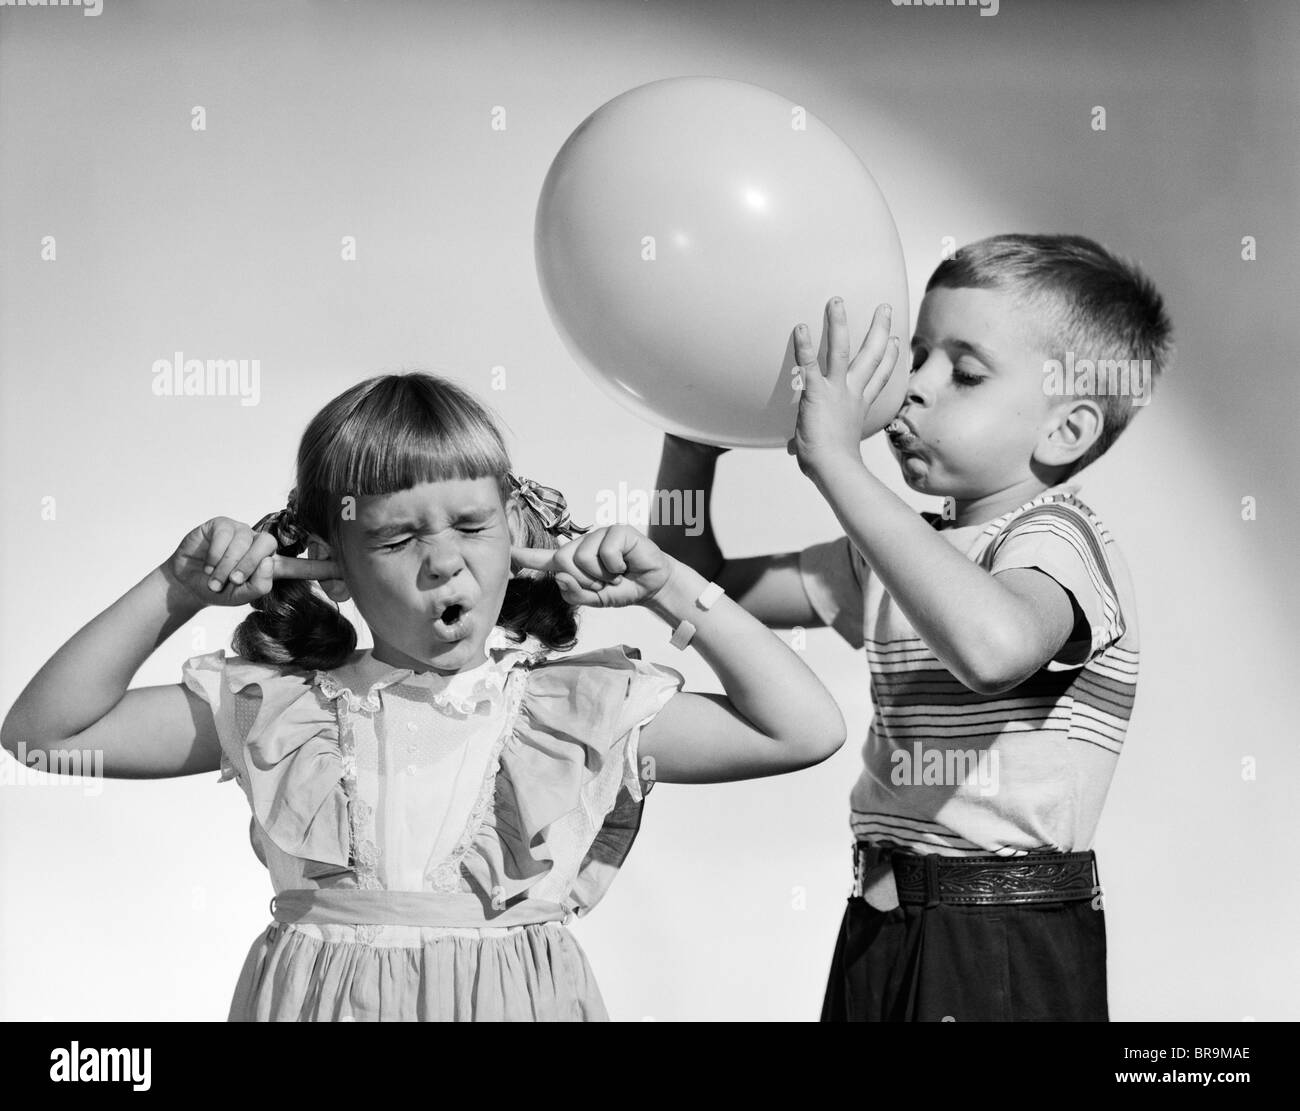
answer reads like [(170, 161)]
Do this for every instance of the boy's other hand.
[(833, 405)]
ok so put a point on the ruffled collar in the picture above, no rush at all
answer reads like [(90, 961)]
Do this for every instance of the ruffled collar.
[(459, 695)]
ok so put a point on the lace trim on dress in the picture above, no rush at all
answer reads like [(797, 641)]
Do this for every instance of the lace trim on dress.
[(445, 876), (356, 704), (361, 816), (364, 852)]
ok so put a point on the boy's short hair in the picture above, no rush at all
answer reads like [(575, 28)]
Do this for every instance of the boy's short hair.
[(1090, 304)]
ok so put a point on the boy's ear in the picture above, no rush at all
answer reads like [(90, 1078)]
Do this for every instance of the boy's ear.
[(1071, 430), (336, 590)]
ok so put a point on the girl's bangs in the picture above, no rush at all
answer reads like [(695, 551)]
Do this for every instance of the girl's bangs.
[(399, 438)]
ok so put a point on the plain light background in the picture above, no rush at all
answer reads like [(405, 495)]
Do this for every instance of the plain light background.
[(373, 120)]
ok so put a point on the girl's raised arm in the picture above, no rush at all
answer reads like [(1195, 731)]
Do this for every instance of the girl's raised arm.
[(79, 700), (776, 715)]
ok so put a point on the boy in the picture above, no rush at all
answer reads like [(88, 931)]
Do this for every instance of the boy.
[(1001, 634)]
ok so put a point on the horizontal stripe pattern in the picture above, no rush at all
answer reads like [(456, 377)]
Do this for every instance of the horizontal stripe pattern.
[(1053, 741), (1075, 526)]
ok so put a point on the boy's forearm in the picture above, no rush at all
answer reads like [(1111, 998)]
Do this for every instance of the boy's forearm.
[(683, 469), (961, 612), (764, 678), (88, 675)]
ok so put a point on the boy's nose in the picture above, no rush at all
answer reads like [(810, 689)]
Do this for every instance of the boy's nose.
[(920, 383)]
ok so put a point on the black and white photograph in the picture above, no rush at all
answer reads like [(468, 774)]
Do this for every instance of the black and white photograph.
[(649, 511)]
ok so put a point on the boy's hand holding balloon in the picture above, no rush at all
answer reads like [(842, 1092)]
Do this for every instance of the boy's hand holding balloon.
[(607, 567), (225, 563), (833, 406)]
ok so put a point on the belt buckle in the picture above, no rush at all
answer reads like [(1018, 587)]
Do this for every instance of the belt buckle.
[(865, 860), (873, 877)]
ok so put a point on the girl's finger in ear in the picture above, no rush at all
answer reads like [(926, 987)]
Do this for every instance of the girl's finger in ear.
[(532, 559), (290, 567), (263, 576)]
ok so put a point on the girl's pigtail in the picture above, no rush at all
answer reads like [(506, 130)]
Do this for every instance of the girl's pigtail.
[(293, 624), (533, 603)]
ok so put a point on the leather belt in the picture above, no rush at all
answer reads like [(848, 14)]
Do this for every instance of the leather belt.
[(928, 880)]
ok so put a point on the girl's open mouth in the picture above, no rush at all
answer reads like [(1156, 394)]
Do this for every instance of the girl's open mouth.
[(452, 624)]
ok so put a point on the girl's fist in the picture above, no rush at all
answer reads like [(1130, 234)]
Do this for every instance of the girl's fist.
[(225, 563), (608, 567)]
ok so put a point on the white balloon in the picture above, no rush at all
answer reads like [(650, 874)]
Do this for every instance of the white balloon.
[(685, 228)]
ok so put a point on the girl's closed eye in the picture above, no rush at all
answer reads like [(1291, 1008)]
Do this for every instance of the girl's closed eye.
[(965, 378), (398, 545)]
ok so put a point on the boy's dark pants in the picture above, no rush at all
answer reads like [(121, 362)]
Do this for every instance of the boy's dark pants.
[(937, 958)]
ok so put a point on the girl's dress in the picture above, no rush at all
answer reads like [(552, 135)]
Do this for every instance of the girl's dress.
[(428, 836)]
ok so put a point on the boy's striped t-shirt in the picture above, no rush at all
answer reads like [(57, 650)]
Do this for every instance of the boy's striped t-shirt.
[(950, 771)]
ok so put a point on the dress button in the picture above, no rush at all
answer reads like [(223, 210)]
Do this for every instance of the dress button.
[(410, 769), (411, 727), (412, 749)]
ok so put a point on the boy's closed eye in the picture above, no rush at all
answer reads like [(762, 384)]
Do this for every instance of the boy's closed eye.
[(968, 362)]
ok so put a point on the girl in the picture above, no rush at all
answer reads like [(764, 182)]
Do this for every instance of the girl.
[(431, 810)]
